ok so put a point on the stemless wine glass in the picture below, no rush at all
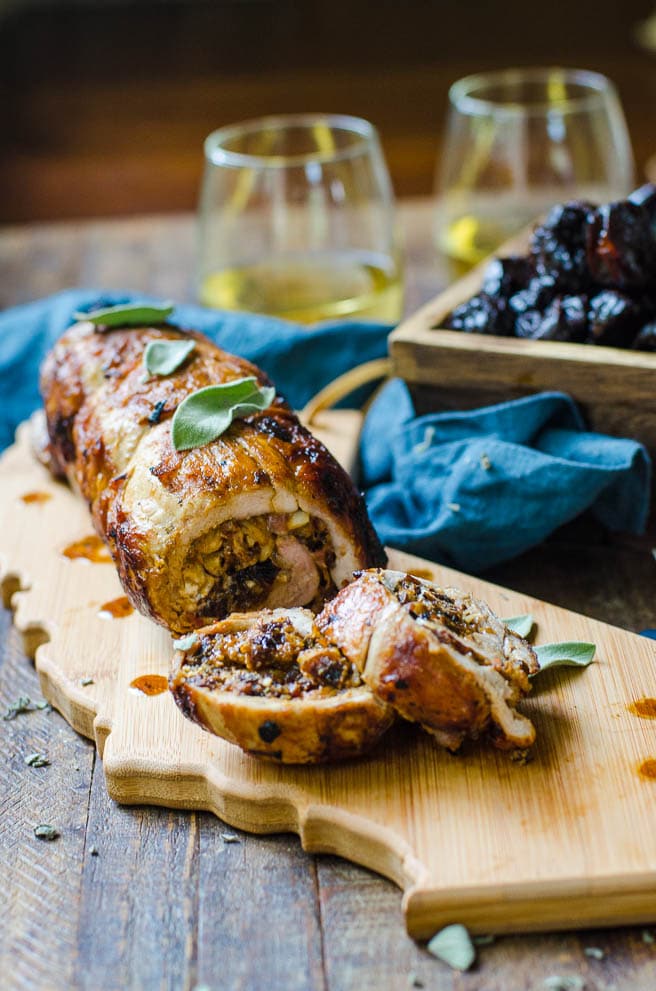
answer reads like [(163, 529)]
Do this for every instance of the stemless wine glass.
[(296, 220), (520, 140)]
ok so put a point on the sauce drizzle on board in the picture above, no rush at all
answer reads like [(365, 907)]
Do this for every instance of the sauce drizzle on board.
[(35, 497), (116, 608), (645, 708), (89, 548), (648, 768), (150, 684)]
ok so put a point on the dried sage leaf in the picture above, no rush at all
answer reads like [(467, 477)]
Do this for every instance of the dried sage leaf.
[(46, 832), (453, 945)]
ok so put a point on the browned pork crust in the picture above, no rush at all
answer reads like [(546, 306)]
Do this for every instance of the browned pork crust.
[(270, 683), (197, 534), (438, 655)]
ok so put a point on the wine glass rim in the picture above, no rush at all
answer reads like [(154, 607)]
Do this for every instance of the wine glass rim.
[(217, 154), (598, 88)]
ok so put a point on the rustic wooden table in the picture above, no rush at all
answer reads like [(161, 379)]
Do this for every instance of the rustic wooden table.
[(143, 898)]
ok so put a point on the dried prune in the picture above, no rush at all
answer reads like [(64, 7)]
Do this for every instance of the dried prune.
[(537, 295), (646, 339), (481, 314), (558, 246), (528, 324), (614, 319), (564, 319), (646, 198), (505, 276), (621, 251)]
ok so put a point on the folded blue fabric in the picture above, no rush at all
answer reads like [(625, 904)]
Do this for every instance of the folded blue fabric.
[(298, 361), (469, 489), (476, 488)]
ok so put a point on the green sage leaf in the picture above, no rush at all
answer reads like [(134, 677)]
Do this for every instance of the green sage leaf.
[(521, 625), (186, 643), (568, 655), (128, 315), (206, 414), (453, 945), (165, 357)]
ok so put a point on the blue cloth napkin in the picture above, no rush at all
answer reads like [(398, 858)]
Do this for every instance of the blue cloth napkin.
[(300, 363), (468, 489), (476, 488)]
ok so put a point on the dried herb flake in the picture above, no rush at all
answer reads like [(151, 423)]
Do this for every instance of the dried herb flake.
[(46, 832), (36, 760), (24, 704), (569, 982)]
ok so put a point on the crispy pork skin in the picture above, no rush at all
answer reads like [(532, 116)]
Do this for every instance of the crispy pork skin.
[(261, 517), (270, 683), (438, 655)]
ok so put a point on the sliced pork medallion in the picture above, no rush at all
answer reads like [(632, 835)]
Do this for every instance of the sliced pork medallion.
[(439, 656), (261, 517), (272, 684)]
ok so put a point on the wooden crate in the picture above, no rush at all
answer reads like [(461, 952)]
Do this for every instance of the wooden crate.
[(447, 369)]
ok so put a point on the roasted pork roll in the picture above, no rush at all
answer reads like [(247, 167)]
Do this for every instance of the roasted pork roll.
[(263, 516), (272, 684), (438, 655)]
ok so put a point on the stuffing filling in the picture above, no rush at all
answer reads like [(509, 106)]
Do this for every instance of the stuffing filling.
[(432, 605), (270, 659), (243, 563)]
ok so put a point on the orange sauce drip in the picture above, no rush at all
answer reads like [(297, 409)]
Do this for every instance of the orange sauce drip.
[(89, 548), (648, 768), (150, 684), (30, 497), (116, 608), (645, 708)]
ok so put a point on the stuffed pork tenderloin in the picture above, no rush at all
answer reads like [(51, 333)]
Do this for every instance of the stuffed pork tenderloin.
[(297, 688), (261, 517)]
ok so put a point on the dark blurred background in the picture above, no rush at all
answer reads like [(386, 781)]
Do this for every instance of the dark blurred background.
[(104, 104)]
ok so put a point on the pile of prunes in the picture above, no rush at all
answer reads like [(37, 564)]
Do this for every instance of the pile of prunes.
[(589, 278)]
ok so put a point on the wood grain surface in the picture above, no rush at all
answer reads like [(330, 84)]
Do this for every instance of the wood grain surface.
[(452, 832), (244, 934)]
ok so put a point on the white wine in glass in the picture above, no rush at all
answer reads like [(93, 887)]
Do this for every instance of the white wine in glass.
[(517, 142), (296, 220)]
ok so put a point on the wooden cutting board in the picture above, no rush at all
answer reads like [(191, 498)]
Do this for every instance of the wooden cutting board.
[(567, 840)]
